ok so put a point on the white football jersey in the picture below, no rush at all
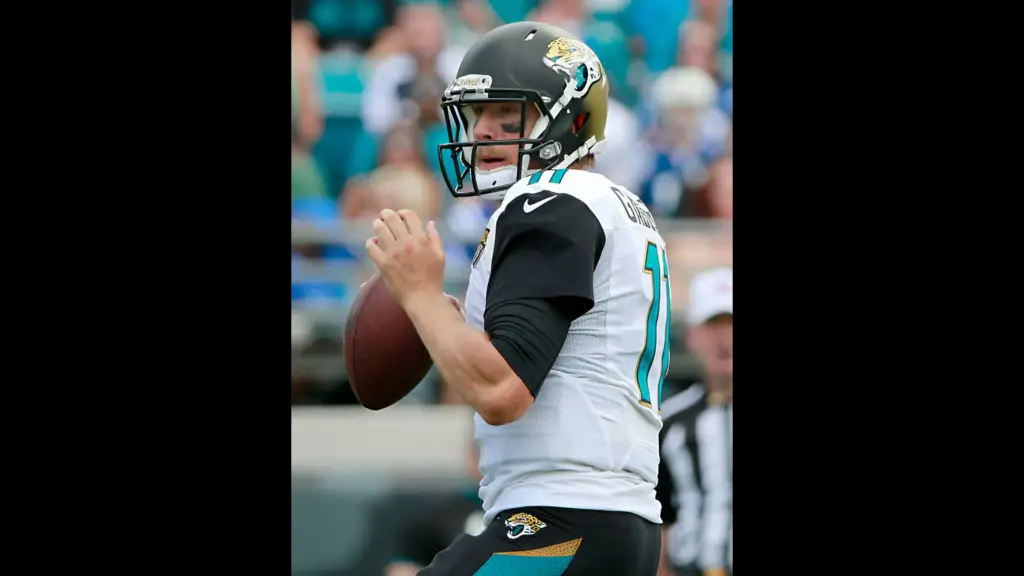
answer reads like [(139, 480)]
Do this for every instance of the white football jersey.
[(590, 439)]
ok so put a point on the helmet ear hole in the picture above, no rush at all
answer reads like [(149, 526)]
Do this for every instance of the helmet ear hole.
[(579, 122)]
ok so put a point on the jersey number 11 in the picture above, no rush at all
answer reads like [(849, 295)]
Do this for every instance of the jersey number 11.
[(656, 265)]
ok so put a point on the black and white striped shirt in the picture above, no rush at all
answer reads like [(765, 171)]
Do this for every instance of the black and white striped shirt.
[(695, 479)]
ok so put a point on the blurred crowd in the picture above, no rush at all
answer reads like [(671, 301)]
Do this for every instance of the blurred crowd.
[(367, 78)]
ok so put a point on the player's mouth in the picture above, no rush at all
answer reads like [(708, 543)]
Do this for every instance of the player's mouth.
[(486, 162)]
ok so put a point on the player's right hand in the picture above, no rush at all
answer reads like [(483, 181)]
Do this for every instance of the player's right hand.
[(410, 257)]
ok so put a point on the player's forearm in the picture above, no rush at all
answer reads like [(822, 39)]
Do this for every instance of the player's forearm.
[(465, 357)]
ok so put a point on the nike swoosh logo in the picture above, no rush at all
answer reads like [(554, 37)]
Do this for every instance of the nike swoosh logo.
[(527, 207)]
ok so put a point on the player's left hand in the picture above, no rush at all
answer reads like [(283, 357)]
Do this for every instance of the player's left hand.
[(409, 256)]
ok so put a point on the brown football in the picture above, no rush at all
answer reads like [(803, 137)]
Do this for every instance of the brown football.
[(384, 355)]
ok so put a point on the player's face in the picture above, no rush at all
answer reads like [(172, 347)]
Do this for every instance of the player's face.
[(500, 121)]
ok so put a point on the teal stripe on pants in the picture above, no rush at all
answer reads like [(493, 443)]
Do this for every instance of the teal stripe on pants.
[(506, 565)]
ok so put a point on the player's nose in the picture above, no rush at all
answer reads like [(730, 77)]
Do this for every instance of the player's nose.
[(485, 128)]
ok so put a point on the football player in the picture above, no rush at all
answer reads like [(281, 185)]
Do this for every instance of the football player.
[(564, 347)]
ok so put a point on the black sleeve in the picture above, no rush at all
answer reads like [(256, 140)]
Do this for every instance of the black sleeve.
[(529, 334), (542, 278)]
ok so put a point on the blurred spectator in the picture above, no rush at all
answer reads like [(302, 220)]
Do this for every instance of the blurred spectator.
[(718, 15), (695, 475), (307, 119), (687, 138), (697, 46), (709, 315), (307, 112), (419, 98), (421, 33), (402, 181)]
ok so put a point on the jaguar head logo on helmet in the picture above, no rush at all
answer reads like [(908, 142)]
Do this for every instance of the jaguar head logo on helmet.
[(576, 60), (528, 97)]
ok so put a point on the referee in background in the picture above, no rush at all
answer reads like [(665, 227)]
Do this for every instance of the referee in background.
[(695, 475)]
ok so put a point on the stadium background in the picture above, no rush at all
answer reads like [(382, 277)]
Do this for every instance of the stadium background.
[(366, 79)]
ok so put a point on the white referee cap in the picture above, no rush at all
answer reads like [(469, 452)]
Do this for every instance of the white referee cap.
[(710, 295)]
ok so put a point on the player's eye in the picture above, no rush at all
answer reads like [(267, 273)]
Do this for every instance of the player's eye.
[(509, 109)]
